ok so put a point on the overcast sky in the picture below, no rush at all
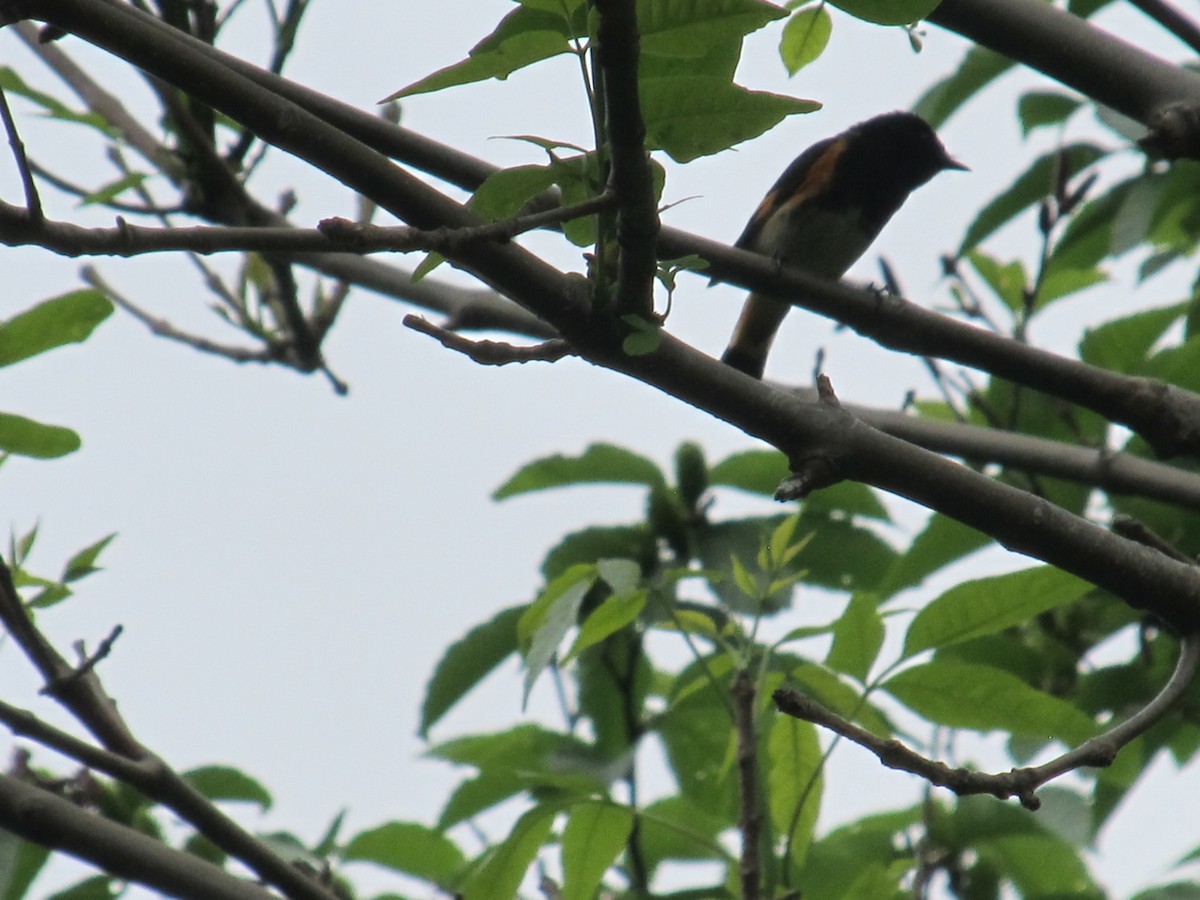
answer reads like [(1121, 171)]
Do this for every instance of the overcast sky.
[(290, 564)]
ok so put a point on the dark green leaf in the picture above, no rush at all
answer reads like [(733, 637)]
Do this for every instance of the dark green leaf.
[(226, 783), (25, 437), (1037, 109), (410, 848), (857, 637), (943, 541), (504, 866), (11, 82), (888, 12), (755, 471), (98, 887), (598, 464), (478, 794), (506, 191), (1034, 184), (113, 189), (466, 662), (805, 37), (961, 695), (545, 623), (594, 837), (1123, 344), (677, 828), (794, 781), (593, 544), (68, 319), (1007, 281), (692, 28), (689, 116), (20, 863), (1041, 865), (606, 619), (989, 605), (977, 70), (523, 37), (84, 562)]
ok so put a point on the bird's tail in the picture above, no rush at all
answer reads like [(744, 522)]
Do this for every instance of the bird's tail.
[(752, 336)]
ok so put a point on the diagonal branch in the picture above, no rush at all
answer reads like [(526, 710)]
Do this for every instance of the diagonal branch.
[(804, 431), (1099, 751)]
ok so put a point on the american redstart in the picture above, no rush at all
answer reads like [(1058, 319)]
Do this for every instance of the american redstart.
[(827, 208)]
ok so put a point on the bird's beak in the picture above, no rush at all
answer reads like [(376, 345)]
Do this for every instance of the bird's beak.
[(949, 162)]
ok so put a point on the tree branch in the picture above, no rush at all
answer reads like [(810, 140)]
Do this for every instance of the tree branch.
[(630, 177), (1100, 751), (37, 815), (1081, 56), (80, 691), (750, 817)]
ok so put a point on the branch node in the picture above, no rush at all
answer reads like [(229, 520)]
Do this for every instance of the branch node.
[(491, 353)]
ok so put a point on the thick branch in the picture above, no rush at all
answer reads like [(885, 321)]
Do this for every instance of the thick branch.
[(1078, 54), (803, 431), (1167, 417), (750, 818), (39, 816)]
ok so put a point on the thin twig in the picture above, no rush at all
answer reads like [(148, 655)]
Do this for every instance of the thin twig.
[(1098, 752), (165, 329), (750, 819), (491, 353), (33, 203), (86, 662)]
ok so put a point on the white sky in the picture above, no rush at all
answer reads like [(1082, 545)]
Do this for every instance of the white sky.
[(291, 564)]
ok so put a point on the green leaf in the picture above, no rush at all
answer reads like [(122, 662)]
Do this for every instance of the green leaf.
[(590, 545), (25, 437), (1037, 109), (1041, 865), (943, 541), (962, 695), (476, 795), (754, 471), (989, 605), (113, 189), (888, 12), (677, 828), (979, 68), (598, 464), (606, 619), (686, 29), (523, 37), (595, 835), (11, 82), (1031, 187), (805, 37), (690, 116), (857, 637), (226, 783), (506, 191), (20, 863), (835, 694), (794, 781), (98, 887), (466, 662), (545, 623), (68, 319), (504, 866), (1007, 281), (408, 847), (1122, 345), (83, 563)]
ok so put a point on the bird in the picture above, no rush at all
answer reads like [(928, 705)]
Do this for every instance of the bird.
[(827, 208)]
